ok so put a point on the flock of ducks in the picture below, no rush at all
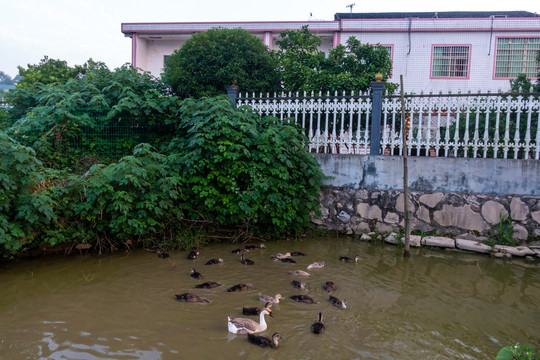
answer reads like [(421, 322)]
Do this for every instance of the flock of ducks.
[(250, 327)]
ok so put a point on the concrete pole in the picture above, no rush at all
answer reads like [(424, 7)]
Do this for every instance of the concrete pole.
[(376, 111), (232, 91)]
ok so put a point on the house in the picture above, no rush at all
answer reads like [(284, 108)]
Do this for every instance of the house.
[(434, 51)]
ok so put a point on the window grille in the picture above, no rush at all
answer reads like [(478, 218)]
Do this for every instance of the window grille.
[(450, 62), (516, 56)]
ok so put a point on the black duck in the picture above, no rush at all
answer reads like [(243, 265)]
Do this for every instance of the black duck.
[(192, 255), (246, 261), (288, 260), (297, 253), (329, 286), (348, 259), (253, 247), (299, 284), (318, 327), (162, 254), (190, 297), (255, 310), (214, 261), (196, 275), (342, 304), (303, 298), (208, 285), (264, 341), (239, 287)]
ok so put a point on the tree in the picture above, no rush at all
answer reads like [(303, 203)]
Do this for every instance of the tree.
[(47, 72), (5, 79), (347, 68), (523, 84), (212, 60)]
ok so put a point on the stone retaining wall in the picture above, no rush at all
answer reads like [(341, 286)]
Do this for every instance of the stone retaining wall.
[(360, 211)]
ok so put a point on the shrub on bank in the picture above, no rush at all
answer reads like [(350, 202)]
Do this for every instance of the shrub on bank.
[(224, 167)]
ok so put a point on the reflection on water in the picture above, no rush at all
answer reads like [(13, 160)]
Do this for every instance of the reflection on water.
[(435, 305), (81, 350)]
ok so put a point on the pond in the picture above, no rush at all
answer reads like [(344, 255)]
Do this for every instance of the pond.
[(434, 305)]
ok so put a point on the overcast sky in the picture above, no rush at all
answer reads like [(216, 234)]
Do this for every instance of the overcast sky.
[(76, 30)]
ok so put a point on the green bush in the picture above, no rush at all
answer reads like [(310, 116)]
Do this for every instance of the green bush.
[(211, 60), (102, 114), (518, 352), (224, 167), (135, 197), (23, 210), (239, 168)]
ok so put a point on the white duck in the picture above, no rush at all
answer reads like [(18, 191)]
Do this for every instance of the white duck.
[(299, 273), (316, 265), (269, 299), (248, 326)]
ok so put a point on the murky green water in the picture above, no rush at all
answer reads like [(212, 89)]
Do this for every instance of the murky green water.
[(435, 305)]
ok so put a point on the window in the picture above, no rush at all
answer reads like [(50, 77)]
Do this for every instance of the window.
[(388, 48), (450, 61), (514, 56), (165, 58)]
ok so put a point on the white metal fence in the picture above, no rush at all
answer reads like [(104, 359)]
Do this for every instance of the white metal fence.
[(456, 125)]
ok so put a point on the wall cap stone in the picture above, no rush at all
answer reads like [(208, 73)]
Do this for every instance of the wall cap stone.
[(472, 245), (439, 241), (514, 250)]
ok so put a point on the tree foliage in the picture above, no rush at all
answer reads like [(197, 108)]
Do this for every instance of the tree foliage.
[(5, 79), (22, 209), (210, 61), (347, 68), (137, 196), (240, 168), (52, 117)]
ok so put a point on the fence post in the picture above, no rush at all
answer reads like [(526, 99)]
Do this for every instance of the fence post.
[(232, 91), (377, 87)]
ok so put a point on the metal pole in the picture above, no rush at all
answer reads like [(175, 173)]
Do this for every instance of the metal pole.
[(376, 110)]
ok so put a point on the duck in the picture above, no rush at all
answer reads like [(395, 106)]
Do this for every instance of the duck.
[(280, 256), (162, 254), (239, 287), (214, 261), (348, 259), (299, 284), (318, 327), (192, 255), (316, 265), (264, 341), (246, 261), (269, 299), (190, 297), (237, 251), (208, 285), (329, 286), (248, 326), (303, 298), (299, 273), (194, 274), (297, 253), (253, 247), (255, 310), (288, 260), (342, 304)]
